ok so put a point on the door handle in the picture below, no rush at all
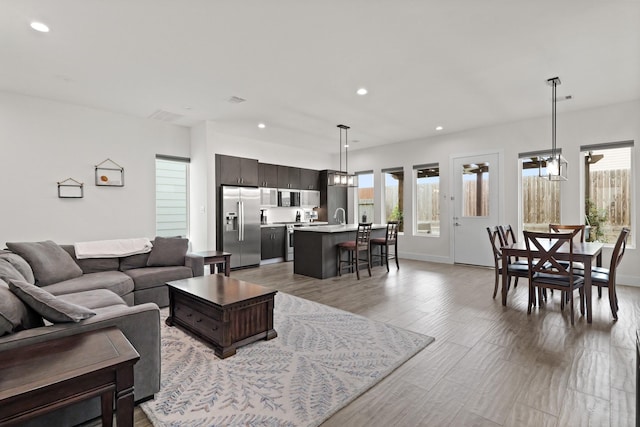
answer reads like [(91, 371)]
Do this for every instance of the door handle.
[(457, 224)]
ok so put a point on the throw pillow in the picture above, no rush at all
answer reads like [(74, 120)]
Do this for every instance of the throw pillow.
[(168, 251), (47, 305), (19, 264), (14, 314), (8, 271), (49, 262)]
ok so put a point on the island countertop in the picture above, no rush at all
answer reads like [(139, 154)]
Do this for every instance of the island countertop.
[(315, 248), (337, 228)]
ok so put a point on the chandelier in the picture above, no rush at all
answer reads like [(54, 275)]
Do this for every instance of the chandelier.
[(341, 178), (555, 166)]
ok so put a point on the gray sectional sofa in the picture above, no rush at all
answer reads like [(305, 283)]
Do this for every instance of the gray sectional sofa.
[(124, 292)]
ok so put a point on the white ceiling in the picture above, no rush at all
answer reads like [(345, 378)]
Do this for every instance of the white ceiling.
[(460, 64)]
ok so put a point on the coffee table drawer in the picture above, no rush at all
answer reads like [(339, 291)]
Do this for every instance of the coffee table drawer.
[(207, 326), (200, 322)]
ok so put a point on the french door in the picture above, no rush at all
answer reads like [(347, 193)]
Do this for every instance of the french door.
[(475, 207)]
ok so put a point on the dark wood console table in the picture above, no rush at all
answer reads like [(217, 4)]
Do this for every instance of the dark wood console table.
[(40, 378), (225, 312)]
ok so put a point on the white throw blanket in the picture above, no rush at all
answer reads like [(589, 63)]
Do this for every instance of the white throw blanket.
[(112, 248)]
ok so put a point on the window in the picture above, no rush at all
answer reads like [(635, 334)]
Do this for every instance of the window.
[(365, 196), (607, 189), (393, 195), (540, 196), (427, 205), (172, 196), (475, 191)]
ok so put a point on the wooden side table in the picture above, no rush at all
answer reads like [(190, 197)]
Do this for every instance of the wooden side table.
[(40, 378), (213, 258)]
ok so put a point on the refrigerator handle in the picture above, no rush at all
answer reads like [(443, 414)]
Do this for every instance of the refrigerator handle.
[(241, 225)]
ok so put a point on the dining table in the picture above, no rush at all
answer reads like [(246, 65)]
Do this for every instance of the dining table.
[(583, 252)]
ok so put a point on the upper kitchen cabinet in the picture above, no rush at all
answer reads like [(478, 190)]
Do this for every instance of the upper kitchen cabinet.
[(231, 170), (288, 177), (268, 175), (309, 179)]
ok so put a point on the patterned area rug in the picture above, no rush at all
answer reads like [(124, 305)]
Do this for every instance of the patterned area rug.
[(322, 359)]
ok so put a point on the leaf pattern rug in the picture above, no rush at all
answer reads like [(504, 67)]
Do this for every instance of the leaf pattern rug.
[(322, 359)]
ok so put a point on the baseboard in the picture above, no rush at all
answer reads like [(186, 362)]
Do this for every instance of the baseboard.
[(623, 279), (424, 257)]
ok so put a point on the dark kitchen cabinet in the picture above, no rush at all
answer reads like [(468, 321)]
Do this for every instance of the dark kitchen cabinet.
[(309, 179), (267, 175), (288, 177), (272, 242), (231, 170)]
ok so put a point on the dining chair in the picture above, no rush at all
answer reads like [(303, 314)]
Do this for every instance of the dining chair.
[(606, 277), (390, 239), (354, 249), (576, 230), (513, 270), (545, 270), (508, 237)]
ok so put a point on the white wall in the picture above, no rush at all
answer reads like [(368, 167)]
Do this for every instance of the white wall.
[(43, 142), (606, 124)]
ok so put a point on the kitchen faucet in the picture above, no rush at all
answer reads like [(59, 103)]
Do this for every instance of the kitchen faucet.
[(335, 215)]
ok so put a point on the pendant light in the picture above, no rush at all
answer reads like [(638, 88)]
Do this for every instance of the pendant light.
[(555, 166), (341, 178)]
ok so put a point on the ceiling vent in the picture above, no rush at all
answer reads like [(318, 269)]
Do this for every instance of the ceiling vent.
[(235, 100), (165, 116)]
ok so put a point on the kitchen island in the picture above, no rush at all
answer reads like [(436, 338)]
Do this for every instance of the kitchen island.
[(315, 251)]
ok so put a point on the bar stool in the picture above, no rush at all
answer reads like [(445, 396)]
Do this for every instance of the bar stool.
[(354, 248), (390, 239)]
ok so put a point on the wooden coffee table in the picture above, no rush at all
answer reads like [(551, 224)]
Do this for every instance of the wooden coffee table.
[(39, 378), (225, 312)]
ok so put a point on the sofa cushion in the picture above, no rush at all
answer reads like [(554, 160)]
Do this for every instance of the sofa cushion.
[(97, 298), (134, 261), (150, 277), (115, 281), (49, 262), (47, 305), (14, 314), (19, 264), (92, 265), (168, 251)]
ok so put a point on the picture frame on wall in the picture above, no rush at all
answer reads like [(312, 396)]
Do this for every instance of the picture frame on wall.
[(109, 174), (70, 189)]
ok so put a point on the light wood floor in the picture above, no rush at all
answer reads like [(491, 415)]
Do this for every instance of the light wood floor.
[(490, 365)]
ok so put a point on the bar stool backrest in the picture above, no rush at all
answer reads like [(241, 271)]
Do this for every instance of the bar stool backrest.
[(364, 234), (392, 231)]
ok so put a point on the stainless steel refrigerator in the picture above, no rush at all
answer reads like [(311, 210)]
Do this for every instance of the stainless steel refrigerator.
[(240, 220)]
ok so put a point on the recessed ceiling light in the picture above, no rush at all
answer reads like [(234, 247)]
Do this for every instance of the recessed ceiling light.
[(262, 125), (362, 91), (439, 128), (39, 26)]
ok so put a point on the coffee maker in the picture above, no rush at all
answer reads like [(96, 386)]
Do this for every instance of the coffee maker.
[(263, 216)]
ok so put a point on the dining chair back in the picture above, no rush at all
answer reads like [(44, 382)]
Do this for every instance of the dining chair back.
[(606, 277), (384, 243), (577, 230), (547, 272), (354, 249), (513, 270)]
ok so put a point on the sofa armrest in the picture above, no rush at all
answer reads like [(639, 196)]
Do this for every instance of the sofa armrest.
[(196, 263), (140, 324)]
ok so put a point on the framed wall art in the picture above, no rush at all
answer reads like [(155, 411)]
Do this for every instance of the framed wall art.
[(109, 174), (70, 189)]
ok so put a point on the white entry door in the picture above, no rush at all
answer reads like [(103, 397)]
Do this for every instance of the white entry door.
[(476, 207)]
